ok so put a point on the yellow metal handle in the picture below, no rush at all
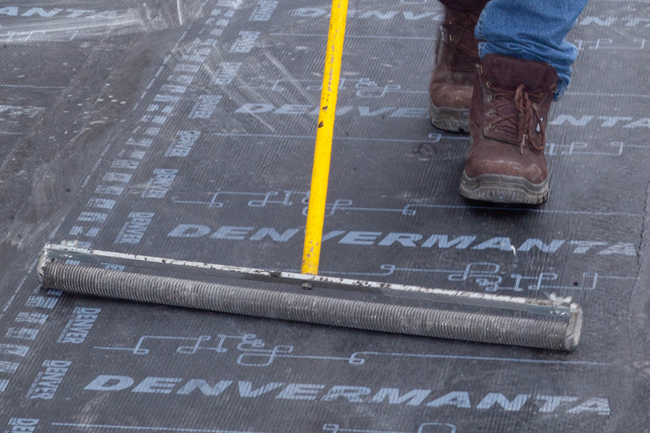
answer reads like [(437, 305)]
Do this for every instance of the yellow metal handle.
[(325, 131)]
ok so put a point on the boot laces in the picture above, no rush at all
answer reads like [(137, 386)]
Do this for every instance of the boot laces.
[(521, 121), (459, 25)]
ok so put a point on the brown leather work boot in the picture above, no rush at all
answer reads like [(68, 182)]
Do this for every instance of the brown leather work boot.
[(506, 163), (452, 81)]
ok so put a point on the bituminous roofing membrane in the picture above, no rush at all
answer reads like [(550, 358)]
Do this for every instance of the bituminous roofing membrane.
[(186, 130)]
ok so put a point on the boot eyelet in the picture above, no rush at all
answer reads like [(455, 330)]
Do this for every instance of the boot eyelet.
[(487, 85), (490, 112), (489, 98), (480, 69), (490, 126)]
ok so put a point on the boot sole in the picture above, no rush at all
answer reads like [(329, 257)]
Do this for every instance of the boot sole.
[(449, 119), (503, 189)]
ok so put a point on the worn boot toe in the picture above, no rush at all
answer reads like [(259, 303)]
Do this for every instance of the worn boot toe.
[(502, 178)]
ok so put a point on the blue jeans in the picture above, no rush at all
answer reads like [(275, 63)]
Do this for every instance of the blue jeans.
[(532, 30)]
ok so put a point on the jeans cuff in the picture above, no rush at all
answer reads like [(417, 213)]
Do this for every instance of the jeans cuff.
[(481, 49), (478, 34), (478, 30)]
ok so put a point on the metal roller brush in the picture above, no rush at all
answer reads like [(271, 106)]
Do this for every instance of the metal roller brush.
[(555, 323)]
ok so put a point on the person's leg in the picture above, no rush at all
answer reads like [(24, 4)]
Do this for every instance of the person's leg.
[(531, 30), (526, 63), (452, 81)]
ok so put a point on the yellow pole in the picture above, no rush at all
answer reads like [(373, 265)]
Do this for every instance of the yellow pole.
[(325, 131)]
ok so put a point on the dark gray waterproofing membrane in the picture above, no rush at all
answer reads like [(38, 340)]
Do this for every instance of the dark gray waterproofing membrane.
[(185, 129)]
